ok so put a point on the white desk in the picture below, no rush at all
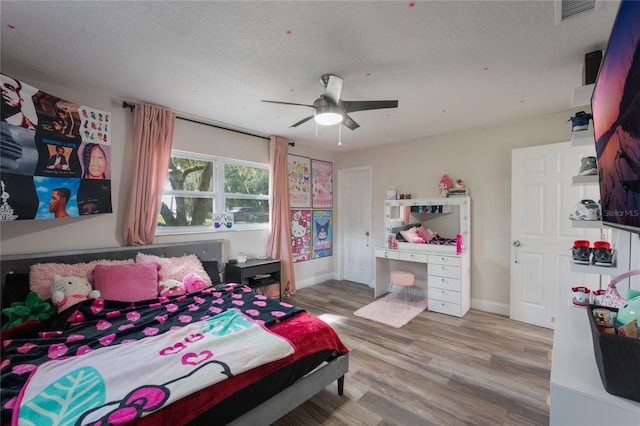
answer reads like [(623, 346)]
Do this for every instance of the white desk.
[(577, 394)]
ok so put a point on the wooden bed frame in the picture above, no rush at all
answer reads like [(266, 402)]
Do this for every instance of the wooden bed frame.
[(208, 252)]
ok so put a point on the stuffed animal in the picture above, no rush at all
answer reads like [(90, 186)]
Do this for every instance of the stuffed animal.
[(445, 185), (67, 291), (171, 287), (193, 282)]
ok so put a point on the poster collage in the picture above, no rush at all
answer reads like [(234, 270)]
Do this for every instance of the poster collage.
[(311, 200), (54, 155)]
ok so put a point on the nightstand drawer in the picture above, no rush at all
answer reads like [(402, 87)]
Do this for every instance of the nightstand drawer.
[(444, 270), (445, 308), (444, 283), (388, 254), (437, 259), (440, 295)]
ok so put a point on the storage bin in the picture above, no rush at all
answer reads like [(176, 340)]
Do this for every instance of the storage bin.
[(618, 360)]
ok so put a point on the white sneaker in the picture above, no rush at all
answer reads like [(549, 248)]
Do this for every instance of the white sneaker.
[(585, 210)]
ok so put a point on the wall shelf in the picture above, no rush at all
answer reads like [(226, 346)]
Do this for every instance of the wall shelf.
[(582, 95), (585, 180), (583, 138), (587, 224)]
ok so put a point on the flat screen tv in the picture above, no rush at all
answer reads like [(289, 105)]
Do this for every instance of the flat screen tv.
[(616, 121)]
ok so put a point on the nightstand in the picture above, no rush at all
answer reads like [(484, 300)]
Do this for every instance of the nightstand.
[(255, 273)]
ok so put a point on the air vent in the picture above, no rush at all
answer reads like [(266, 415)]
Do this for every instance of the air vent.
[(568, 8)]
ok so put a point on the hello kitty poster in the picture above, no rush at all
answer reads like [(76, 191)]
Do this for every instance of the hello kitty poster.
[(301, 235), (322, 184)]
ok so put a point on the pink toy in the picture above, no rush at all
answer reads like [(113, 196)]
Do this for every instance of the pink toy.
[(445, 185), (67, 291), (193, 282)]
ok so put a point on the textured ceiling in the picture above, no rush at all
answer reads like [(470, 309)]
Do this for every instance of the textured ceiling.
[(450, 64)]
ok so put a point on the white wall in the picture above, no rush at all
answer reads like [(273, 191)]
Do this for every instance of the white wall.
[(105, 230), (482, 158)]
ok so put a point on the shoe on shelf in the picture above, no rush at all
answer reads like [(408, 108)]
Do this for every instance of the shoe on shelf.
[(602, 253), (580, 296), (588, 166), (585, 210), (580, 121), (581, 253)]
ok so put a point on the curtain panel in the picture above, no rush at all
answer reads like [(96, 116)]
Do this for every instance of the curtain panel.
[(152, 139)]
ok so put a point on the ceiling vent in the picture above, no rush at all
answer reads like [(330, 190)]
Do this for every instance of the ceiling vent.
[(565, 9)]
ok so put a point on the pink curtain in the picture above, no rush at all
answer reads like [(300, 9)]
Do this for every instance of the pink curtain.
[(279, 243), (152, 138)]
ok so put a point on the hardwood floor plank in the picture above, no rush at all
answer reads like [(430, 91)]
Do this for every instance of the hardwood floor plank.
[(483, 369)]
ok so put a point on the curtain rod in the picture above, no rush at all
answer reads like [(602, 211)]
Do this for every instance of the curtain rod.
[(131, 107)]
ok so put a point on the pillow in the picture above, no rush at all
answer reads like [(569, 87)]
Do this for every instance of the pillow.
[(176, 267), (425, 234), (409, 235), (127, 283), (40, 274)]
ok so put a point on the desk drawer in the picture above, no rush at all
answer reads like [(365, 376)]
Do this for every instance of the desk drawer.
[(445, 308), (439, 295), (389, 254), (437, 259), (444, 283), (414, 257), (444, 271)]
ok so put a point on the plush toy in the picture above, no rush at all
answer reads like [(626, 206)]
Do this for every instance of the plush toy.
[(171, 287), (628, 312), (193, 282), (445, 185), (67, 291)]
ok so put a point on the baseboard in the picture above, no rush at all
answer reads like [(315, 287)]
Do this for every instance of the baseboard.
[(493, 307), (314, 280)]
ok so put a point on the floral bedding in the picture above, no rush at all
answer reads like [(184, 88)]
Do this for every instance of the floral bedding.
[(96, 338)]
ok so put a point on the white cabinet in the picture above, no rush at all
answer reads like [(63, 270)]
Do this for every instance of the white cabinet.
[(443, 274)]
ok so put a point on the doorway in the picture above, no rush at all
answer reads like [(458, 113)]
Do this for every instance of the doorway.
[(355, 222)]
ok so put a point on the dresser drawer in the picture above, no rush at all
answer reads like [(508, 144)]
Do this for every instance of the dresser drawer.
[(445, 307), (440, 295), (444, 271), (444, 283), (414, 257), (389, 254), (437, 259)]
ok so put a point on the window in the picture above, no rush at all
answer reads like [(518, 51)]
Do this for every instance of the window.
[(198, 186)]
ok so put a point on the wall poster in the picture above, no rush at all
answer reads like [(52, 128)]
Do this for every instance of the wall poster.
[(299, 182), (322, 233), (322, 184), (301, 235), (54, 155)]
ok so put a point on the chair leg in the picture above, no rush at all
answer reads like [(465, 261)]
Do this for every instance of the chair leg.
[(390, 292)]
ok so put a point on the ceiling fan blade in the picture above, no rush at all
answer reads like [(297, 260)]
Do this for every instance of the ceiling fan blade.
[(334, 88), (352, 106), (350, 123), (287, 103), (304, 120)]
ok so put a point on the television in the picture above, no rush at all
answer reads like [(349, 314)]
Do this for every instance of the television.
[(615, 105)]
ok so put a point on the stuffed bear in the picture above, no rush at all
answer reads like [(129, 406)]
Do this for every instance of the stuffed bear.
[(171, 287), (67, 291), (193, 282)]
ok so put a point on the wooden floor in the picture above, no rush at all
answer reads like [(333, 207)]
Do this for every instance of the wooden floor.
[(483, 369)]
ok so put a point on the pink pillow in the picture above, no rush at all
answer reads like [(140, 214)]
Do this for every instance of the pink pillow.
[(40, 274), (127, 283), (425, 234), (409, 235), (176, 267)]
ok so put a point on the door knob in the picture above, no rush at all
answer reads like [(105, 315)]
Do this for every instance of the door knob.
[(516, 243)]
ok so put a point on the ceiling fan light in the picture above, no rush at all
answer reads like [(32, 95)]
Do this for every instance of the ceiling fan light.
[(328, 115)]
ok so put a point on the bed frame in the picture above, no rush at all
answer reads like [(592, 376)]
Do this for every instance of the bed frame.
[(210, 253)]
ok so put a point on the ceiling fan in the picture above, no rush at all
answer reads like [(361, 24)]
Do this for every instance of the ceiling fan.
[(329, 109)]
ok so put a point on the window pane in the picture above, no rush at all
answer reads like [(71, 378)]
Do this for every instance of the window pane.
[(186, 211), (240, 179), (249, 211), (187, 174)]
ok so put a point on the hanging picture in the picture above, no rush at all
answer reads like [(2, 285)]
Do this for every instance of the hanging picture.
[(301, 235), (322, 233), (322, 184), (55, 155), (299, 182)]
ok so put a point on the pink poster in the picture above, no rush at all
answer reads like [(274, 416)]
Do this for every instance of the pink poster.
[(301, 235), (299, 182), (322, 183)]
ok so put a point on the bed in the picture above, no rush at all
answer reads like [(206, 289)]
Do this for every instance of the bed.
[(222, 355)]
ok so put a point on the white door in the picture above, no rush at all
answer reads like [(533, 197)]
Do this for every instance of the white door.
[(542, 196), (355, 208)]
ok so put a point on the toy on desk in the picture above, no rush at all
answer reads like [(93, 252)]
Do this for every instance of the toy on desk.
[(445, 185)]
